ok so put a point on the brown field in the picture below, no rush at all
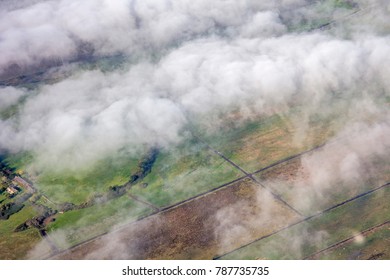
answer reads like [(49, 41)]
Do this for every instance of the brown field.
[(235, 215), (200, 229), (266, 141), (295, 181)]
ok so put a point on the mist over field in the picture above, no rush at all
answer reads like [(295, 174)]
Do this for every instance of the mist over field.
[(189, 58), (188, 64)]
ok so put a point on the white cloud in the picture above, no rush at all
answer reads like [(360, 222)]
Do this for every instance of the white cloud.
[(255, 66)]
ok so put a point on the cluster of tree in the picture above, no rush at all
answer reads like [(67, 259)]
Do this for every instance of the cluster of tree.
[(38, 221), (144, 166), (116, 191), (66, 206), (8, 209)]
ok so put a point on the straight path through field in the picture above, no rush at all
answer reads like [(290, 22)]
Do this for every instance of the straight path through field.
[(229, 184), (347, 240), (250, 175), (144, 202), (309, 218), (181, 203)]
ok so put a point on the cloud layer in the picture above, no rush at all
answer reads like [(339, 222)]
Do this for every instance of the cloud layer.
[(192, 59)]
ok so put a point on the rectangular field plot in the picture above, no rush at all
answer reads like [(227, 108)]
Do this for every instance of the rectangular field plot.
[(373, 244), (199, 229), (16, 245), (79, 187), (182, 173), (73, 227), (262, 142), (326, 177), (306, 238)]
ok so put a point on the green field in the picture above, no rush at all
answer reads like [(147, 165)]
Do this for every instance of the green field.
[(3, 198), (306, 238), (264, 105), (184, 172), (373, 245), (16, 245), (73, 227), (192, 168), (79, 187), (19, 161)]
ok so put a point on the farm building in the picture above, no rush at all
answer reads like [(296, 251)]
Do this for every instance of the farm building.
[(23, 183), (11, 190)]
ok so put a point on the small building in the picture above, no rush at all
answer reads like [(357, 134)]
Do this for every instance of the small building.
[(11, 190)]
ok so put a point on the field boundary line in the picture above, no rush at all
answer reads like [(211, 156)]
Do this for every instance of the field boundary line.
[(335, 245), (181, 203), (306, 219), (250, 175), (147, 203)]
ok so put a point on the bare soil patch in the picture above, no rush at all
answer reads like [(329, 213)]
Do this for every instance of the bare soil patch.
[(200, 229)]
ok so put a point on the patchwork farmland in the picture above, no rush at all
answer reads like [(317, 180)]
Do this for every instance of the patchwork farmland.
[(269, 143), (251, 215), (229, 223)]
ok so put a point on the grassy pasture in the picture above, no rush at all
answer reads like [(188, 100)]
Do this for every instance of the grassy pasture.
[(79, 187), (73, 227), (16, 245), (373, 245), (184, 172)]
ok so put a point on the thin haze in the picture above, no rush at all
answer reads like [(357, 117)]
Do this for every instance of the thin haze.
[(193, 61), (188, 58)]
